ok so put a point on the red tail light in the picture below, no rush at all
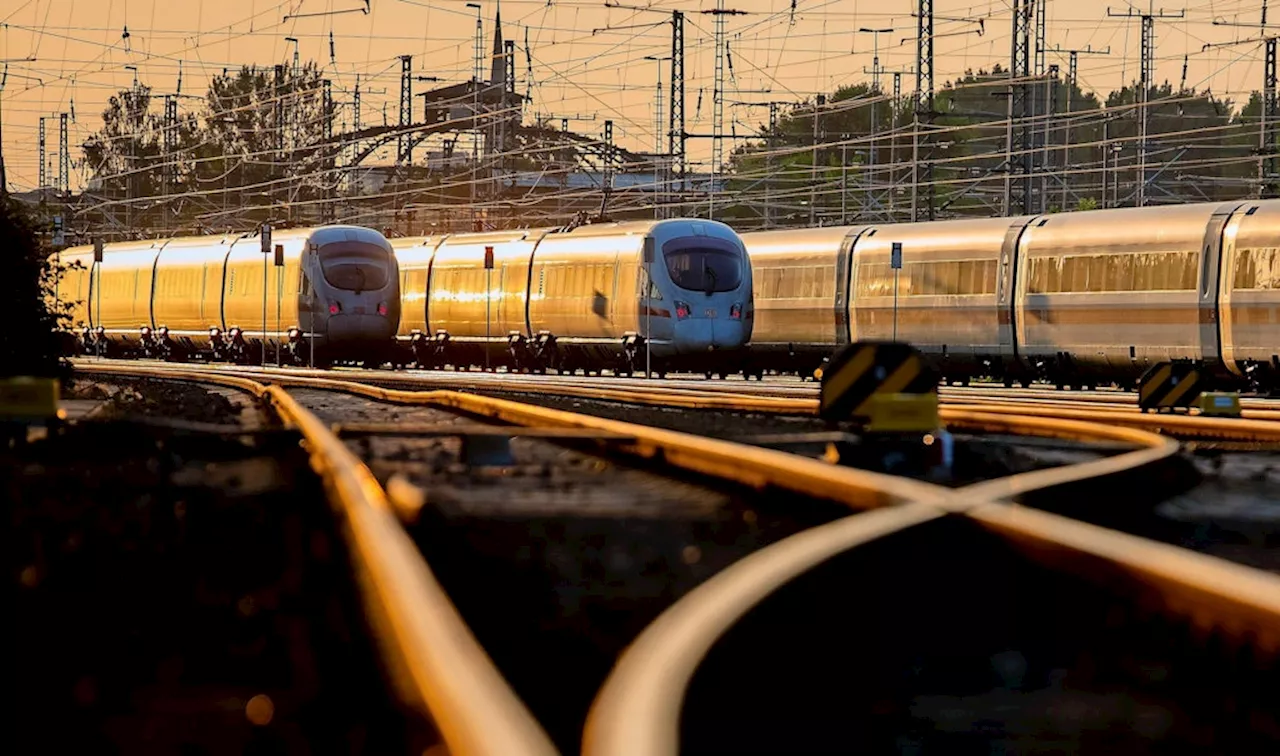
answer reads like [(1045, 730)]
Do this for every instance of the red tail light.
[(735, 312), (683, 310), (382, 308), (334, 309)]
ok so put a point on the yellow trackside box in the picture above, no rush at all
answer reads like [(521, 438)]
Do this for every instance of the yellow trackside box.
[(901, 413), (1219, 403), (886, 386), (26, 399)]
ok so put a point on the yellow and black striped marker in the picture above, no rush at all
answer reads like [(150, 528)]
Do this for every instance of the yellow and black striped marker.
[(886, 385), (26, 399), (1167, 385)]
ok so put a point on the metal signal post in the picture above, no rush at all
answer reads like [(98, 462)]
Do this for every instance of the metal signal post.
[(895, 262), (648, 301), (266, 253), (279, 261), (488, 292)]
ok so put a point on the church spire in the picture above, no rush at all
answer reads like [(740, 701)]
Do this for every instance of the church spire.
[(498, 72)]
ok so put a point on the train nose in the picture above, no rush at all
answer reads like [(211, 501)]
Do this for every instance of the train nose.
[(727, 334), (354, 328), (701, 335)]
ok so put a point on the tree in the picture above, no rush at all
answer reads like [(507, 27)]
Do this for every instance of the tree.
[(29, 341), (265, 130), (141, 160)]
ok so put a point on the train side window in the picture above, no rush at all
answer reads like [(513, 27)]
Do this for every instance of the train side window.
[(827, 281), (1053, 274), (1141, 272), (1080, 274), (971, 276), (947, 281), (1189, 267), (1265, 274)]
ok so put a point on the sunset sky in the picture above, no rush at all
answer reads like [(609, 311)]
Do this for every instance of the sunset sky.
[(579, 68)]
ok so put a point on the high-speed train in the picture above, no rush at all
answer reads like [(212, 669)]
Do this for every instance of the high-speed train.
[(1076, 298), (673, 293), (319, 295)]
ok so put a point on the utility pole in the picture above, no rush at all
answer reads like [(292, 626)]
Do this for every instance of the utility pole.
[(820, 103), (893, 143), (1073, 62), (677, 138), (658, 142), (279, 125), (608, 168), (329, 181), (476, 76), (1267, 121), (404, 156), (1041, 7), (923, 108), (768, 180), (872, 156), (1017, 144), (717, 103), (355, 106), (169, 139), (4, 179), (44, 178), (1146, 78), (1040, 135), (1050, 99)]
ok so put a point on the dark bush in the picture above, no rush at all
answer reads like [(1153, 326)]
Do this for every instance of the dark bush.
[(29, 342)]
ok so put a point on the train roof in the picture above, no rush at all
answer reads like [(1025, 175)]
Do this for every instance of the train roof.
[(319, 234)]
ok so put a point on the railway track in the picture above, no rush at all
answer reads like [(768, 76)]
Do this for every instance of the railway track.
[(1111, 407), (704, 635)]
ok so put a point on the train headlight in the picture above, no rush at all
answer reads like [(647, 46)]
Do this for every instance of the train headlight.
[(735, 312), (335, 308), (683, 310), (382, 308)]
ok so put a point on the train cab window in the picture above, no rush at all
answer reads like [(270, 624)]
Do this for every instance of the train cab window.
[(654, 294), (706, 267), (353, 266)]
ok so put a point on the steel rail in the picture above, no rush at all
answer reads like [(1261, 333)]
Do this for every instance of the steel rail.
[(437, 666), (637, 710), (638, 707), (751, 466), (1255, 426)]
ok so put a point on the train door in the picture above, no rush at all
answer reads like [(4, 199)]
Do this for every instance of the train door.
[(1008, 327), (1211, 267), (1225, 288), (844, 280), (95, 291)]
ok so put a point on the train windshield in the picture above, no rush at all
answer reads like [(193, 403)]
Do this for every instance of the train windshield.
[(707, 269), (353, 266)]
